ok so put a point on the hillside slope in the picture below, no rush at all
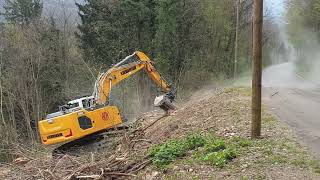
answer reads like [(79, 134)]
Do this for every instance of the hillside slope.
[(222, 115)]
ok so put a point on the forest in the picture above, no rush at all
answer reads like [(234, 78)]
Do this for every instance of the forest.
[(46, 61)]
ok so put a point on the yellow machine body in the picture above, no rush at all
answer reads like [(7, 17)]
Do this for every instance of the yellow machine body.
[(78, 124)]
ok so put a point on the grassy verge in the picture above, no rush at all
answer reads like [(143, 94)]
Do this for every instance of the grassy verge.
[(276, 155), (218, 152)]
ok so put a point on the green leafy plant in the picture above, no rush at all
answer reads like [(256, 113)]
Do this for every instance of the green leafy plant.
[(215, 145), (167, 152), (194, 141), (163, 154), (220, 158), (214, 151)]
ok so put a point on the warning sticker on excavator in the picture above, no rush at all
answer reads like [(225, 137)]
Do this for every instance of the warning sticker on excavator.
[(105, 116)]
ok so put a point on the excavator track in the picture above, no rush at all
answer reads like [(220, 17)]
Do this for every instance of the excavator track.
[(96, 142)]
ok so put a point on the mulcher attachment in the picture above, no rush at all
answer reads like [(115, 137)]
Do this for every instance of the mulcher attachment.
[(165, 102)]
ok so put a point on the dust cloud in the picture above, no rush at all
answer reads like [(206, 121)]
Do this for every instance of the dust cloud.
[(294, 66)]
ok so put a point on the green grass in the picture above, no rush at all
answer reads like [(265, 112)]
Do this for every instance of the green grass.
[(219, 158), (218, 152), (213, 150)]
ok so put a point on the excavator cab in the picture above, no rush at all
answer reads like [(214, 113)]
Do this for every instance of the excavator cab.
[(73, 105)]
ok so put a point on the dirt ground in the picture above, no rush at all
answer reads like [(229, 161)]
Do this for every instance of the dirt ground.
[(220, 112)]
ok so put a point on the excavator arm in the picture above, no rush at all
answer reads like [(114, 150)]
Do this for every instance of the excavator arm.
[(124, 69)]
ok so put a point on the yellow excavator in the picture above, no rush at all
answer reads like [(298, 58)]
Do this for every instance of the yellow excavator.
[(92, 115)]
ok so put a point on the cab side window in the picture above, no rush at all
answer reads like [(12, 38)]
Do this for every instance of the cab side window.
[(85, 103)]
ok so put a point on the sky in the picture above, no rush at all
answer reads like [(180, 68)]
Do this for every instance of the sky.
[(276, 7), (54, 7)]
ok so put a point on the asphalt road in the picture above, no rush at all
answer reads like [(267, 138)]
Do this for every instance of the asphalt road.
[(295, 101)]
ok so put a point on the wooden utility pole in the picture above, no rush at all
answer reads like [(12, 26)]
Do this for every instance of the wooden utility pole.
[(257, 68), (236, 43)]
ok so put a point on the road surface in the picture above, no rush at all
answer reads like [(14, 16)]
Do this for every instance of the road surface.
[(295, 101)]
